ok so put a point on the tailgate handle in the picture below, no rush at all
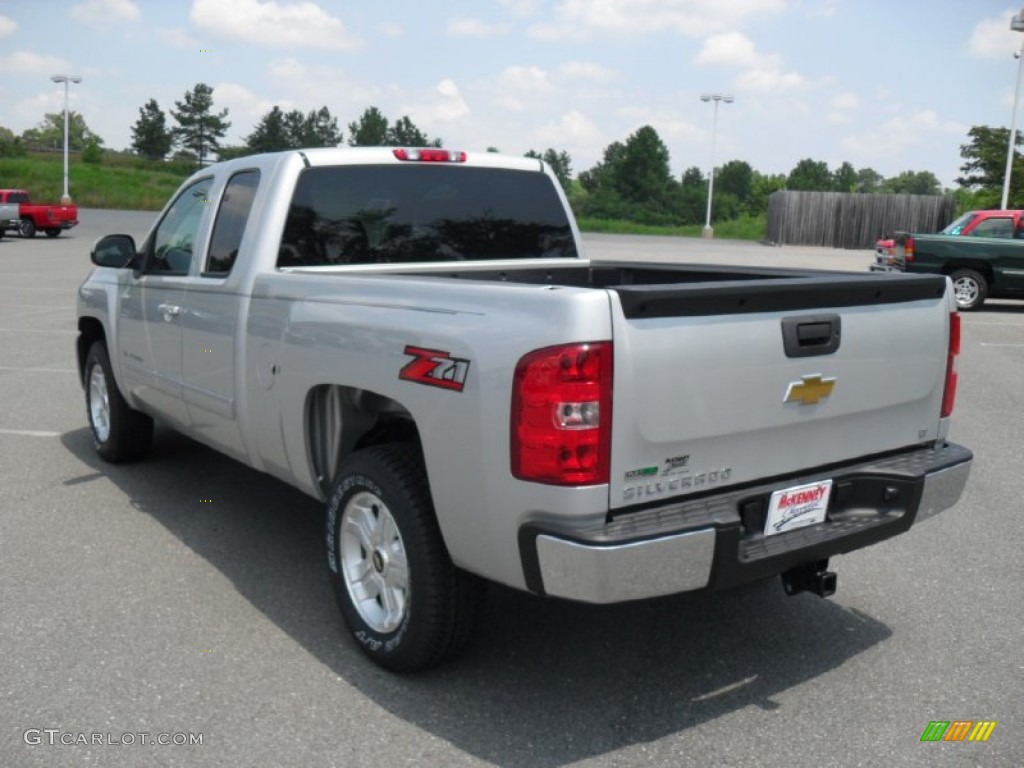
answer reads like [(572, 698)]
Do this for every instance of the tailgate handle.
[(810, 335)]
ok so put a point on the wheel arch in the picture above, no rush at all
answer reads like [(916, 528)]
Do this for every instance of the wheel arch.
[(341, 419), (983, 268), (90, 330)]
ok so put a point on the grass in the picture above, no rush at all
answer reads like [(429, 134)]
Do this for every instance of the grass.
[(743, 228), (116, 182)]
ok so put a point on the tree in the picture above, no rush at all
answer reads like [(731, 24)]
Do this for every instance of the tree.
[(693, 177), (370, 130), (913, 183), (643, 175), (10, 145), (985, 166), (560, 162), (810, 175), (869, 181), (199, 129), (734, 178), (844, 179), (404, 133), (50, 132), (150, 136), (270, 133)]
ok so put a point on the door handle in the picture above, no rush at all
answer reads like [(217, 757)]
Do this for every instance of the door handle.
[(169, 311)]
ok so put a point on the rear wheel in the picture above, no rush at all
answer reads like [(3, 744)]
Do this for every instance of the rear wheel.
[(27, 228), (970, 289), (405, 603), (119, 432), (52, 232)]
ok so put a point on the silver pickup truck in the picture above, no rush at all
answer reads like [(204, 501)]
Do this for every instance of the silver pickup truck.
[(413, 337), (10, 217)]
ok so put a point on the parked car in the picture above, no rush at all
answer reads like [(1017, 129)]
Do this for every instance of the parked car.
[(33, 217), (995, 223)]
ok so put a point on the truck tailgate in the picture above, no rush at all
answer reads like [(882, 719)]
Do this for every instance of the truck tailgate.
[(720, 384)]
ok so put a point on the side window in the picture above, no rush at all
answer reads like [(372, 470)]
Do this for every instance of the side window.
[(175, 236), (1002, 227), (230, 224)]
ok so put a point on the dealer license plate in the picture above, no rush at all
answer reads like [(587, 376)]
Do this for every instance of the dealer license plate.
[(797, 507)]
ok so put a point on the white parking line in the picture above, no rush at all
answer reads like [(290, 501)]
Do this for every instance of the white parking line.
[(37, 370), (36, 330), (1001, 344), (29, 433)]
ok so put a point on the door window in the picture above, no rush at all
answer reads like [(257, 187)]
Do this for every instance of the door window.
[(175, 236)]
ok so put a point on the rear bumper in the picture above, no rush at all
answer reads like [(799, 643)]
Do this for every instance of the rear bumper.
[(717, 542)]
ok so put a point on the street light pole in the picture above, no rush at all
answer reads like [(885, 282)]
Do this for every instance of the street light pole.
[(716, 98), (66, 198), (1017, 25)]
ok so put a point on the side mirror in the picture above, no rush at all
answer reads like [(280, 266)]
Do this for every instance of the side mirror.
[(117, 251)]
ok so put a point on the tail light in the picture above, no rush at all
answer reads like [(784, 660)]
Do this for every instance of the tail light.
[(952, 377), (562, 415), (430, 155), (908, 249)]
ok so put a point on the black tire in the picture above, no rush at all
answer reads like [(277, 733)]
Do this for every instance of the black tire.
[(119, 432), (27, 228), (52, 232), (432, 617), (970, 289)]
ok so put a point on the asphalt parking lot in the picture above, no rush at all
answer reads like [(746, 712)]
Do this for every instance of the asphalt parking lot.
[(186, 596)]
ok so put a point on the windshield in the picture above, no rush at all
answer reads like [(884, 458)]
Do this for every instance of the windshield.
[(959, 224), (412, 213)]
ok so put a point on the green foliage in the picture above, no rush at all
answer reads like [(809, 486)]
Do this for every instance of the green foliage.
[(92, 153), (810, 176), (199, 130), (869, 181), (370, 130), (10, 145), (743, 228), (693, 177), (735, 178), (49, 134), (561, 165), (844, 179), (913, 183), (984, 168), (151, 138)]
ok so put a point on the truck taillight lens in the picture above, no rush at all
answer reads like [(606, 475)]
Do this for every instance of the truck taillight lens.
[(430, 155), (949, 393), (908, 249), (562, 415)]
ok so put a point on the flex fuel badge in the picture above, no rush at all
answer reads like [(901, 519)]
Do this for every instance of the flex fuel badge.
[(634, 474)]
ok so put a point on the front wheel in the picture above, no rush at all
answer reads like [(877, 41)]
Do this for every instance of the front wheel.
[(970, 289), (52, 232), (119, 432), (27, 228), (405, 603)]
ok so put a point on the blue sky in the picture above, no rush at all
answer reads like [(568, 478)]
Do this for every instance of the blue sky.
[(890, 85)]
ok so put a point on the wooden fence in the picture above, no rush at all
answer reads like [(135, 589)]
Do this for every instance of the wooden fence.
[(850, 220)]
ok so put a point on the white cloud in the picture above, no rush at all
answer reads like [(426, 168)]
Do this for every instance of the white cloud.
[(573, 129), (522, 7), (244, 107), (105, 11), (993, 38), (444, 105), (770, 81), (733, 49), (841, 106), (574, 19), (7, 26), (470, 27), (267, 22), (177, 37), (586, 70), (666, 123), (33, 63), (900, 133), (391, 29), (310, 87), (518, 85)]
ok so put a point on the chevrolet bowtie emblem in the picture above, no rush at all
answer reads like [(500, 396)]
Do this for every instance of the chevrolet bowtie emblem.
[(810, 390)]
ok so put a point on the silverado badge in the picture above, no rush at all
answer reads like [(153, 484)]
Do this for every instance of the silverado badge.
[(810, 390)]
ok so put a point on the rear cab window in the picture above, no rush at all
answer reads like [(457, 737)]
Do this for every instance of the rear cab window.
[(229, 226), (380, 214)]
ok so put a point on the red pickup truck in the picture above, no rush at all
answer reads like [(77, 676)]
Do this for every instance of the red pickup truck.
[(51, 219)]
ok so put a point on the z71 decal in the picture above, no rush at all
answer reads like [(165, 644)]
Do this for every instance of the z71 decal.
[(435, 368)]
